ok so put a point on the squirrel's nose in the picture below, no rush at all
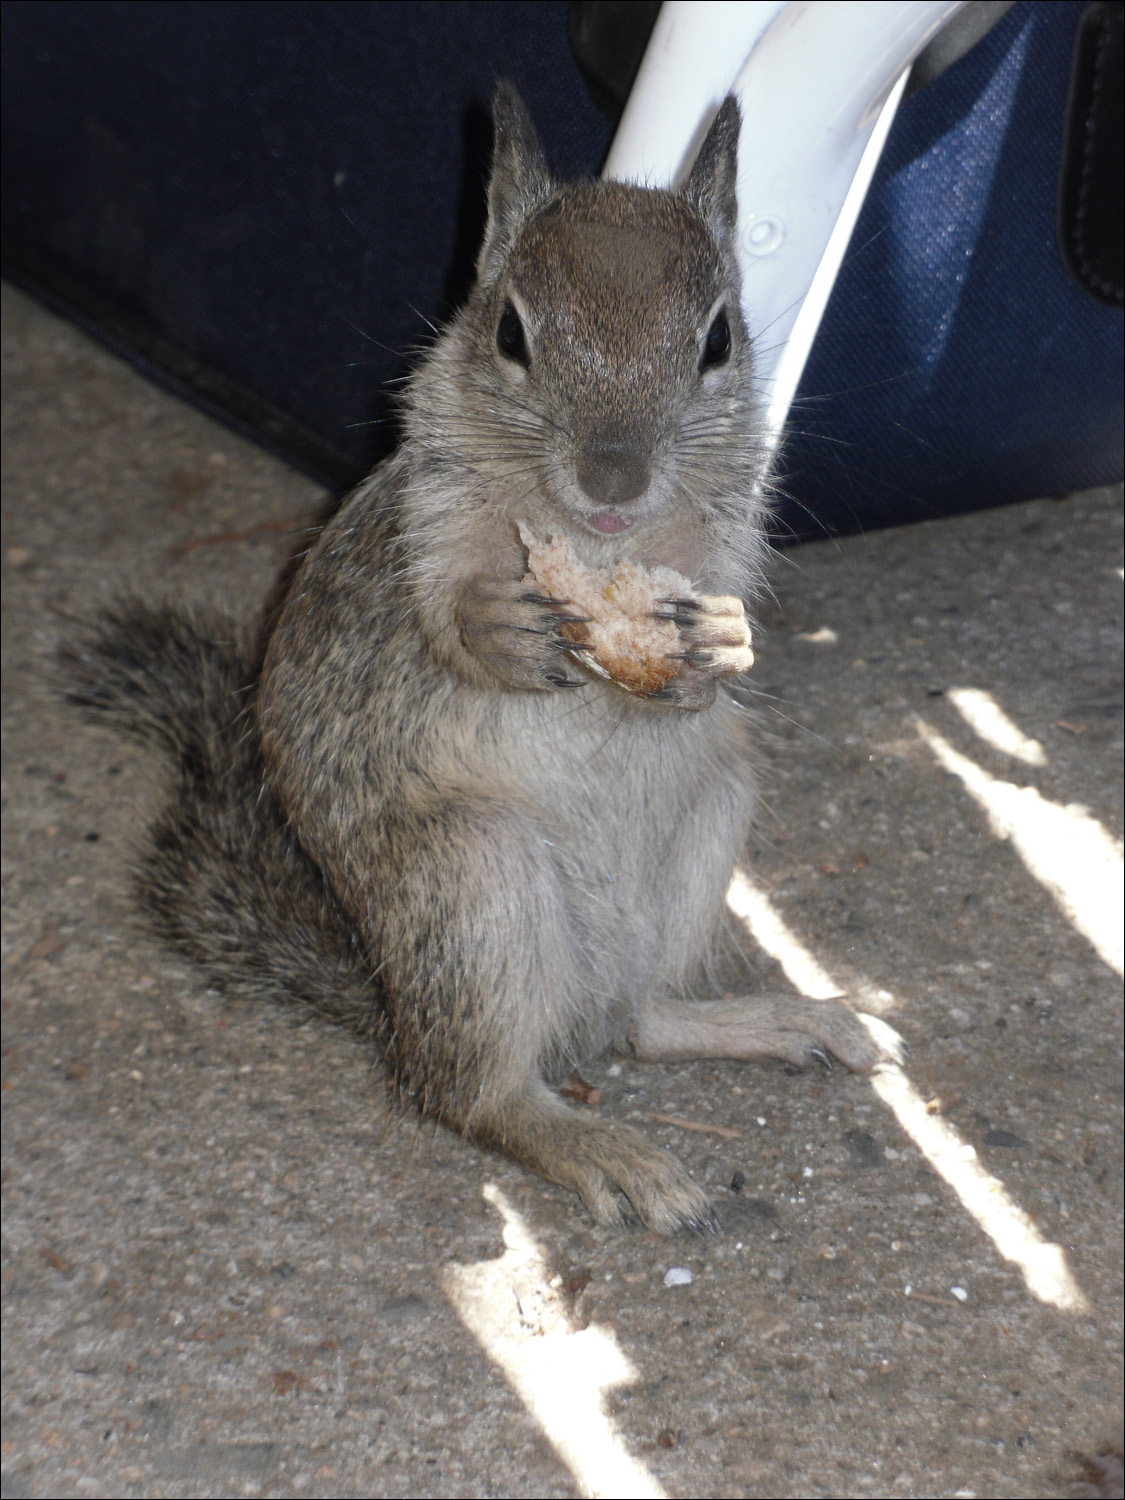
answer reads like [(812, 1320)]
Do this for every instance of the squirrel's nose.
[(613, 471)]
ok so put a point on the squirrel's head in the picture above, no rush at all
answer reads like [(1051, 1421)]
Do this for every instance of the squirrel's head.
[(610, 365)]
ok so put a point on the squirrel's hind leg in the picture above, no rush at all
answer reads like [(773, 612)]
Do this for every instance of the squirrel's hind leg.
[(794, 1028), (483, 997)]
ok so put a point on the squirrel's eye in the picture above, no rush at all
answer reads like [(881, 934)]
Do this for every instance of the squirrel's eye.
[(716, 346), (509, 336)]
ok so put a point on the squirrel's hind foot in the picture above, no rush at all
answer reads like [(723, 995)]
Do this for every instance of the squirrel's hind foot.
[(620, 1176)]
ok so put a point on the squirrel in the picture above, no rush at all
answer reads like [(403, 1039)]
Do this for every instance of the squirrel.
[(416, 808)]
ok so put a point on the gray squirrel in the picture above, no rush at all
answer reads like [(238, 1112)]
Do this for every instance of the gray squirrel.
[(416, 808)]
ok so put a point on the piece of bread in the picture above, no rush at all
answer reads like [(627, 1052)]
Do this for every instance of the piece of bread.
[(617, 605)]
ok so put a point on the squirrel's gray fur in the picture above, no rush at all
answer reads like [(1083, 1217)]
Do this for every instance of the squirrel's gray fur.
[(423, 814)]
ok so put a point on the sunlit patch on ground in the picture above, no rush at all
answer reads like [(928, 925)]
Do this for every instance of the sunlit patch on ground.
[(1042, 1263)]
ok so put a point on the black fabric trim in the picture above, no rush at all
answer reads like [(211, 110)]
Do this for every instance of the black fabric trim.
[(1091, 208)]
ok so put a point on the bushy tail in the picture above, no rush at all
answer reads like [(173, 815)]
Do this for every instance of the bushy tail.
[(220, 873)]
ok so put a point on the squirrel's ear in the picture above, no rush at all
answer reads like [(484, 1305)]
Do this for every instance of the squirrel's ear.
[(520, 181), (712, 184)]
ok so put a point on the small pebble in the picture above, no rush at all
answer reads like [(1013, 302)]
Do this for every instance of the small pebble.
[(678, 1276)]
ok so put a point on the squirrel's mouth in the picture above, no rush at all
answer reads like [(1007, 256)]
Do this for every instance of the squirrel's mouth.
[(609, 522)]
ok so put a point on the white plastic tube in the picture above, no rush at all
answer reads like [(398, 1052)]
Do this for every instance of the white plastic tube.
[(695, 53), (819, 82)]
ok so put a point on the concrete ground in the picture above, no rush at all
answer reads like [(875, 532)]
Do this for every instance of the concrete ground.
[(227, 1272)]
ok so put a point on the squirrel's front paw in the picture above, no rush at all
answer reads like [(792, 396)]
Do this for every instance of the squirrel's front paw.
[(714, 643), (516, 632), (714, 632)]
